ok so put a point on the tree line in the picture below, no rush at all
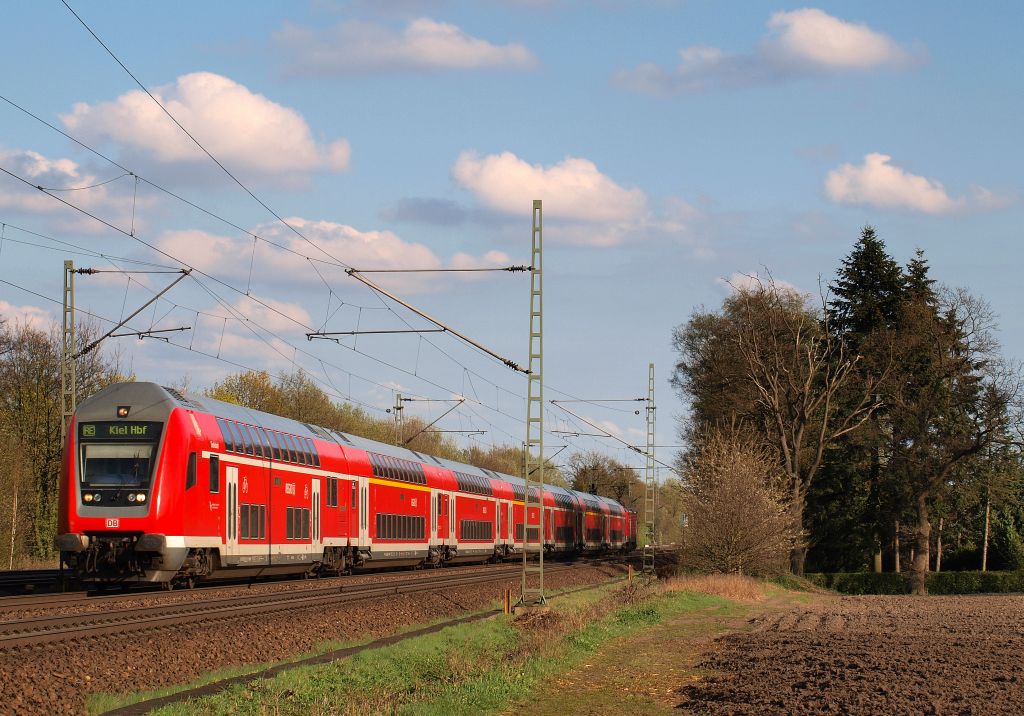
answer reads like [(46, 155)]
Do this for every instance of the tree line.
[(30, 437), (879, 416)]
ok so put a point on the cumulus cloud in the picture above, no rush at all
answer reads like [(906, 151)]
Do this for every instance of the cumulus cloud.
[(798, 43), (573, 188), (111, 200), (239, 127), (582, 206), (880, 183), (29, 316), (423, 45)]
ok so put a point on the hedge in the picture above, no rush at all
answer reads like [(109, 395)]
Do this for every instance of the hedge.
[(936, 582)]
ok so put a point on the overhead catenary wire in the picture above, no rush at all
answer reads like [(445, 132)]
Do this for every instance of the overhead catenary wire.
[(311, 260), (131, 233)]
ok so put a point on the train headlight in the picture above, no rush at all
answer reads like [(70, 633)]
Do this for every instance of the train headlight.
[(141, 497), (87, 497), (97, 497), (131, 497)]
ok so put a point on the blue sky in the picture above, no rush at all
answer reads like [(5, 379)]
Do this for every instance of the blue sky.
[(675, 145)]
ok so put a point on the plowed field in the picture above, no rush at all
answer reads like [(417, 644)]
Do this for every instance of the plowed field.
[(871, 655)]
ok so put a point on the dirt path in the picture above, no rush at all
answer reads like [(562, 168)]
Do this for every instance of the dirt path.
[(643, 674)]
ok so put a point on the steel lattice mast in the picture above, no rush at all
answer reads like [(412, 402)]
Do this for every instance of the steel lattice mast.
[(533, 472), (68, 364), (650, 483)]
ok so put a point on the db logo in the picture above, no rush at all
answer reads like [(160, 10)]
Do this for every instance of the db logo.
[(113, 522)]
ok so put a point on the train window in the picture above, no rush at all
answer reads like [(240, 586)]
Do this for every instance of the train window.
[(288, 522), (262, 437), (246, 439), (314, 453), (236, 436), (297, 528), (254, 521), (229, 442), (275, 444), (257, 449), (214, 474), (190, 471), (292, 456), (245, 521), (300, 449), (305, 523), (263, 521)]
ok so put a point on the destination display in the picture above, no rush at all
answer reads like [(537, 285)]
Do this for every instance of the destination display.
[(119, 431)]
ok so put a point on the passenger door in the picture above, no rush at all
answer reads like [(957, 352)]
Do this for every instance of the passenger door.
[(317, 544), (231, 512)]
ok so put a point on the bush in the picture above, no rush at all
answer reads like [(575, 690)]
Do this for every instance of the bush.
[(937, 582), (862, 582)]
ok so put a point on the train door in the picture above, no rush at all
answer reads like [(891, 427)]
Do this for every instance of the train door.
[(231, 512), (364, 512), (435, 509), (317, 544), (452, 507), (510, 521), (442, 517)]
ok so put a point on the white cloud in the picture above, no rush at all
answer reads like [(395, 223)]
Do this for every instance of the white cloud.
[(752, 281), (573, 188), (112, 201), (801, 42), (239, 127), (813, 38), (424, 44), (29, 316), (877, 182)]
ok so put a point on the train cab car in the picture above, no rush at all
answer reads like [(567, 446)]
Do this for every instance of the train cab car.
[(161, 487)]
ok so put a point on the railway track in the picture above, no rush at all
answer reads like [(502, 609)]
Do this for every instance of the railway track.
[(49, 629), (21, 579)]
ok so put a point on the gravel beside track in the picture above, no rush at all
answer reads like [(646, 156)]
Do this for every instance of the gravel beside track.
[(872, 655), (54, 678)]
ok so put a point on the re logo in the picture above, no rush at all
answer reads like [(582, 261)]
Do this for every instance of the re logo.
[(113, 522), (89, 431)]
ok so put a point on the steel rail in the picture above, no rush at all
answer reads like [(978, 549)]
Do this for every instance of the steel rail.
[(43, 630)]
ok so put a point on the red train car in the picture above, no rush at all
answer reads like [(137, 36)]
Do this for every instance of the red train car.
[(161, 487)]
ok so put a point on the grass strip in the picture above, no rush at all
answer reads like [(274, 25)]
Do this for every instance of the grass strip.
[(470, 668), (213, 682)]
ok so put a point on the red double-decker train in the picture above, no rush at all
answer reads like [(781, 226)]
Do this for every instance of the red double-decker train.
[(157, 486)]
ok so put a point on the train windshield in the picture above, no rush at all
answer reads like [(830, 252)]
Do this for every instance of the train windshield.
[(117, 465)]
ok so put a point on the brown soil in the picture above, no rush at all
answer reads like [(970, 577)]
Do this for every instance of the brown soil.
[(870, 655), (57, 678)]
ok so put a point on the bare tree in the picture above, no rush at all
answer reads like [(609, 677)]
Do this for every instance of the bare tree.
[(736, 503), (799, 372)]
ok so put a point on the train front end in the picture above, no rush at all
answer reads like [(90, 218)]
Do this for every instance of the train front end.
[(115, 503)]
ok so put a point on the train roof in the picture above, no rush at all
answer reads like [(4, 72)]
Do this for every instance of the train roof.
[(153, 394)]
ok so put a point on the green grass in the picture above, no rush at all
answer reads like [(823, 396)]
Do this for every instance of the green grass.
[(467, 669)]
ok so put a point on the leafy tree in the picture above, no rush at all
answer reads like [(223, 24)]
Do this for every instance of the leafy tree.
[(30, 420), (770, 350), (599, 474), (953, 400), (851, 504)]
